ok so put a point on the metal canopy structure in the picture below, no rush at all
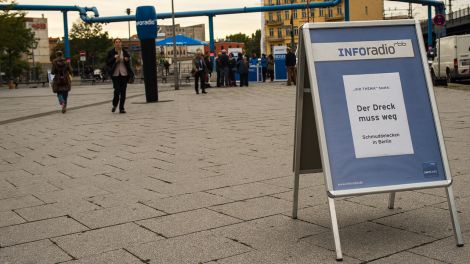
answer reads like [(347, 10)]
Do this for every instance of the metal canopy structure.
[(83, 11)]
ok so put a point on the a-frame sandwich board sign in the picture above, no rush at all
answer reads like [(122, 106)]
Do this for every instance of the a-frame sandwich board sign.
[(374, 113)]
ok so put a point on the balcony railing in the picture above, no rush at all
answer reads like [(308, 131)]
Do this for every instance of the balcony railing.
[(275, 39), (337, 17), (274, 22)]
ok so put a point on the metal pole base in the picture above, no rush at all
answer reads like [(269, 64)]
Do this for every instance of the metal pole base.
[(391, 200), (334, 227), (295, 205), (454, 216)]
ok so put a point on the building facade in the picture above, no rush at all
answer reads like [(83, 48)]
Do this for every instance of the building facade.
[(40, 54), (196, 32), (277, 25)]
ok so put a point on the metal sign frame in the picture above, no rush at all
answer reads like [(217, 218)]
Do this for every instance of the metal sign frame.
[(306, 66)]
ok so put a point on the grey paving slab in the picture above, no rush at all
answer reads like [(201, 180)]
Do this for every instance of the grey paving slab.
[(32, 231), (39, 252), (254, 208), (19, 202), (404, 201), (187, 202), (463, 206), (116, 257), (187, 222), (105, 239), (445, 250), (369, 241), (62, 208), (194, 248), (82, 191), (427, 221), (115, 215), (33, 189), (406, 257), (10, 218), (311, 196), (348, 213), (247, 191)]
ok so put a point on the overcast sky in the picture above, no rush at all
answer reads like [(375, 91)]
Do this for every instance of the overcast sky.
[(223, 25)]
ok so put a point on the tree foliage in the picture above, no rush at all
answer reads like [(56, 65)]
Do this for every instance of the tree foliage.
[(90, 38), (15, 40), (252, 43)]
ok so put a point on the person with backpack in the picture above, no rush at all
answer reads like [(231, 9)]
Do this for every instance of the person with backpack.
[(61, 83), (118, 62)]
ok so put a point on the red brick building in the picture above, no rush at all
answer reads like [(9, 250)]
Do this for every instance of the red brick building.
[(219, 46)]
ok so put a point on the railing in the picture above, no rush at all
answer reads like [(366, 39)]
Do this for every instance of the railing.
[(454, 15), (338, 17), (274, 22)]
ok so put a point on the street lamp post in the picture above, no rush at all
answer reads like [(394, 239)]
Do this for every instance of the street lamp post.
[(175, 67), (292, 26), (128, 12)]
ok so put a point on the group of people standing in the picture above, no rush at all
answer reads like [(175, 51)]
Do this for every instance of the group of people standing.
[(118, 66)]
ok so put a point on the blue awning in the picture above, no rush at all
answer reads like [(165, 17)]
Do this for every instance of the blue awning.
[(181, 40)]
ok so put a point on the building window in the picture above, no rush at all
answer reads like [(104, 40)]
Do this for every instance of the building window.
[(286, 2), (270, 2), (271, 32), (278, 2), (286, 14), (287, 31), (367, 12), (339, 9), (312, 12), (279, 17), (296, 31), (330, 12), (321, 12), (304, 13), (270, 16), (294, 14), (279, 32)]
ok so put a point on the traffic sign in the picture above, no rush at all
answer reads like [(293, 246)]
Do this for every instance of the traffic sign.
[(439, 20), (82, 55)]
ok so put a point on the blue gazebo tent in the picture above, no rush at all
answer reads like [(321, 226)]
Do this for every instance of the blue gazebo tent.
[(181, 40)]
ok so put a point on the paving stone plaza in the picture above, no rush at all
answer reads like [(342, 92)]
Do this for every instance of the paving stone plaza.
[(201, 179)]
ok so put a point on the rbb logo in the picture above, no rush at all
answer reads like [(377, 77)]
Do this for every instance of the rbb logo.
[(439, 20)]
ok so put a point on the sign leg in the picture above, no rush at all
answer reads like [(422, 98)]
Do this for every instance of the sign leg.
[(295, 206), (454, 216), (334, 227), (391, 200)]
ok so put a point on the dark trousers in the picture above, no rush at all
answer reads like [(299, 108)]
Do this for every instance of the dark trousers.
[(120, 87), (62, 96), (243, 79), (218, 77), (271, 74), (264, 71), (199, 78)]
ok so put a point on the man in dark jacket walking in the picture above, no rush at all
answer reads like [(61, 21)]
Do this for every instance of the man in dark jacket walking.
[(118, 62), (290, 65)]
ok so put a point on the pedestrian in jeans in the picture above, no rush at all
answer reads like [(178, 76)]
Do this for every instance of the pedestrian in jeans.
[(199, 68), (118, 62), (61, 83), (271, 67), (290, 64)]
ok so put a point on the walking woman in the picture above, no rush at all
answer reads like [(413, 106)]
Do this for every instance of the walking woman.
[(271, 67), (118, 62), (62, 83)]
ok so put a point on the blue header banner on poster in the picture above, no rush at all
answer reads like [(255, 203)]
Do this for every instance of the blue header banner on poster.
[(146, 22), (379, 118)]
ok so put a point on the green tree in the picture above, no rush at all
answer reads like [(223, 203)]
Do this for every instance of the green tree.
[(89, 38), (15, 40), (252, 43)]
